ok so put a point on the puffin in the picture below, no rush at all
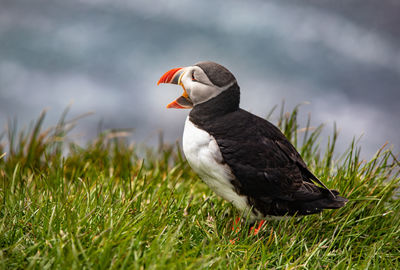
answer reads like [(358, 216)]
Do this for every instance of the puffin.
[(243, 158)]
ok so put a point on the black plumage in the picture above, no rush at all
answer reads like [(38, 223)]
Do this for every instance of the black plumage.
[(217, 74), (267, 168)]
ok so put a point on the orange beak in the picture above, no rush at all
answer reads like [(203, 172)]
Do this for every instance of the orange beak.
[(174, 76)]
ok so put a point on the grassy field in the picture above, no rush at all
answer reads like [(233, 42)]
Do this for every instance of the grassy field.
[(104, 206)]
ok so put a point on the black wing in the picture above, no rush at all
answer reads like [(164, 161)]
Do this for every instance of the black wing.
[(266, 165)]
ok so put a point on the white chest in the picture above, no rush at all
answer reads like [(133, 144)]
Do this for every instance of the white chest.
[(203, 154)]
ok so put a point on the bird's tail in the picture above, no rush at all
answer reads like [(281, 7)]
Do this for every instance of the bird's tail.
[(327, 202)]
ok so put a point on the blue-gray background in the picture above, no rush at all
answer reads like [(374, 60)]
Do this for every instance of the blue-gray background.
[(106, 56)]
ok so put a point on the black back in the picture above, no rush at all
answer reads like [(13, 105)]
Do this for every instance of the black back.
[(266, 166)]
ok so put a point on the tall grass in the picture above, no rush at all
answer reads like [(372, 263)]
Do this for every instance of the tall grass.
[(102, 206)]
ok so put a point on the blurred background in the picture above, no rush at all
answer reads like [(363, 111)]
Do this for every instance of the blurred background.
[(105, 56)]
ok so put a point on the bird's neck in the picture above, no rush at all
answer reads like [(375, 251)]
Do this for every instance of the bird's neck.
[(224, 103)]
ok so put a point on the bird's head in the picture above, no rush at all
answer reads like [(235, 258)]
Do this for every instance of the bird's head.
[(200, 83)]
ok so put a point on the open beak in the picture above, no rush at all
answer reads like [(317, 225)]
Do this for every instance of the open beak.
[(174, 76)]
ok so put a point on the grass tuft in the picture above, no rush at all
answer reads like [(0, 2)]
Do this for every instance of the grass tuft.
[(104, 206)]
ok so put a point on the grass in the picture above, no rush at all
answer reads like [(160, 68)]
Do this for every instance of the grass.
[(102, 206)]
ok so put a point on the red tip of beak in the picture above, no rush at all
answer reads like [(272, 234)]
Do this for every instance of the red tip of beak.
[(174, 104), (167, 77)]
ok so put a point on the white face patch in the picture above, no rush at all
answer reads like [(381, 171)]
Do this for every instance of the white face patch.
[(198, 86)]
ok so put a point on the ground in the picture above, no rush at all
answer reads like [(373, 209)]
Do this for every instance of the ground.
[(113, 204)]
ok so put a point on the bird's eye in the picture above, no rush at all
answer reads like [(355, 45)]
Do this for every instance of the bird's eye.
[(193, 78)]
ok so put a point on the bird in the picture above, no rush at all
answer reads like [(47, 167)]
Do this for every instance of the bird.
[(242, 157)]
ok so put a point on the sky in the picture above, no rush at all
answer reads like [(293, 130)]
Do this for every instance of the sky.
[(341, 59)]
